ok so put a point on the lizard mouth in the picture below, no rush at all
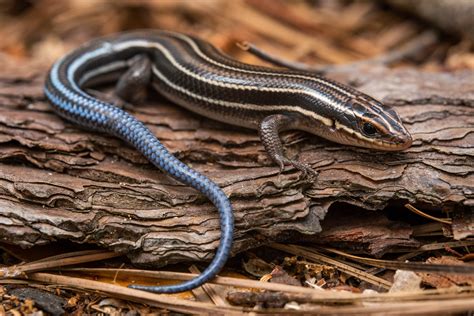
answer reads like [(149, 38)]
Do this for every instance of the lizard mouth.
[(393, 143)]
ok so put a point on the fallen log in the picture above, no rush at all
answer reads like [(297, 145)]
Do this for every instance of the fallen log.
[(60, 182)]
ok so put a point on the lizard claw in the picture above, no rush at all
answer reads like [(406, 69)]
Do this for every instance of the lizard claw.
[(281, 165), (307, 172)]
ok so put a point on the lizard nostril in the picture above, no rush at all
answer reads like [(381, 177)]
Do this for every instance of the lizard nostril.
[(404, 140)]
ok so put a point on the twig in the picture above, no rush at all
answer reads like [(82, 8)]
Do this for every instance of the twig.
[(410, 266), (162, 301), (417, 211), (57, 261), (323, 296), (210, 290), (278, 61), (405, 51), (449, 300)]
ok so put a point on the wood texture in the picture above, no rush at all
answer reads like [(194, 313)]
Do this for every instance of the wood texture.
[(60, 182)]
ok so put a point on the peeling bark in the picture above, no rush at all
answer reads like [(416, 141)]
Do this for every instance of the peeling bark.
[(60, 182)]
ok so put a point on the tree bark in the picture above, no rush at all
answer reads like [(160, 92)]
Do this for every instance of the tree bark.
[(60, 182)]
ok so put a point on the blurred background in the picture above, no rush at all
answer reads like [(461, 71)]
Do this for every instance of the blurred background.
[(430, 35), (434, 35)]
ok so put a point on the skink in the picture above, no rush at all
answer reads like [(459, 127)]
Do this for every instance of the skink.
[(195, 75)]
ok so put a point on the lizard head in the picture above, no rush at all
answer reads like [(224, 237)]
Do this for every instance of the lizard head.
[(371, 124)]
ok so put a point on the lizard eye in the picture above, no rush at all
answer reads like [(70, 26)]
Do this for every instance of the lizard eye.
[(369, 129)]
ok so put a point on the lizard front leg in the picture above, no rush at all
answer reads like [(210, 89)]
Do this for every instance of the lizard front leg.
[(269, 130)]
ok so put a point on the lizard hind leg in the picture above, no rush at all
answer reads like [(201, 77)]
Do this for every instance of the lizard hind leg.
[(132, 86)]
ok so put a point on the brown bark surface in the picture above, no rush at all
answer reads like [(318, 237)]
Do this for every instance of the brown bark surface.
[(60, 182)]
